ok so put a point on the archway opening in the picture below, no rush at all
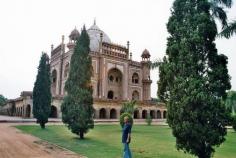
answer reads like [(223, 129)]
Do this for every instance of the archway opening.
[(158, 114), (136, 114), (113, 114), (110, 94), (53, 113), (102, 113), (114, 83), (28, 111), (144, 114), (164, 114), (152, 114)]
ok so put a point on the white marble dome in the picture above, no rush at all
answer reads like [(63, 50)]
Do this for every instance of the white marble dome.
[(94, 34)]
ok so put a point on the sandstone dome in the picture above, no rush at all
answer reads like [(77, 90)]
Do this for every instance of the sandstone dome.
[(94, 34)]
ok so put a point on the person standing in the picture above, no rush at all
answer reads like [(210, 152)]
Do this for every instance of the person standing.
[(126, 137)]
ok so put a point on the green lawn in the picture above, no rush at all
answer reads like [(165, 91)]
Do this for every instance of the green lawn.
[(104, 141)]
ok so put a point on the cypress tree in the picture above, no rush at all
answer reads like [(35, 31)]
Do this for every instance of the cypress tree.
[(42, 92), (77, 106), (194, 79)]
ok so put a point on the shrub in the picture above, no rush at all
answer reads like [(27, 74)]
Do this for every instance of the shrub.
[(122, 119), (149, 120), (129, 107), (234, 122)]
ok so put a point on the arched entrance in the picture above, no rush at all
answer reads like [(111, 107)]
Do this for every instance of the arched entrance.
[(158, 114), (53, 113), (144, 114), (164, 114), (152, 114), (114, 85), (113, 114), (28, 111), (102, 113), (136, 114)]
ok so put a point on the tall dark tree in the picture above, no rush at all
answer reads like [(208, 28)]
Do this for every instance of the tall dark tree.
[(3, 100), (77, 106), (194, 77), (42, 92)]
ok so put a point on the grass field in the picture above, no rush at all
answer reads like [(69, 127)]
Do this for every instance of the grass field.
[(104, 141)]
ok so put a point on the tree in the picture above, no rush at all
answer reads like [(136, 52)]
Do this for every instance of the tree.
[(194, 77), (42, 92), (230, 101), (77, 106), (229, 31), (129, 107), (3, 100)]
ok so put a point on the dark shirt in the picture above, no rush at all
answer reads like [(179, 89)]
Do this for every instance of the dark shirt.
[(126, 130)]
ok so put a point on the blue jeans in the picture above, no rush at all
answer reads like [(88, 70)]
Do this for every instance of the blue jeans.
[(127, 153)]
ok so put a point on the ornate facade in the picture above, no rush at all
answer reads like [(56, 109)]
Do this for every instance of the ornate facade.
[(116, 77)]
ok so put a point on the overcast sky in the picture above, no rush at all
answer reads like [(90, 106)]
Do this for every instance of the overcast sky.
[(29, 27)]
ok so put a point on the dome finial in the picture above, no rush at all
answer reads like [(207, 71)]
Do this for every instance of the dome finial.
[(94, 21), (74, 34), (145, 54)]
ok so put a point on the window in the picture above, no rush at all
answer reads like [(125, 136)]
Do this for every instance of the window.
[(135, 78), (111, 78), (135, 95), (54, 76)]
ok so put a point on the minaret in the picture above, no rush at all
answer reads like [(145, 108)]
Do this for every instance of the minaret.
[(146, 75), (74, 35), (128, 44)]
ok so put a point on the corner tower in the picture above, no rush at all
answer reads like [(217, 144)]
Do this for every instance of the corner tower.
[(146, 75)]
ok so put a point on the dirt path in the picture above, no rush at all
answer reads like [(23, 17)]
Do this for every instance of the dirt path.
[(15, 144)]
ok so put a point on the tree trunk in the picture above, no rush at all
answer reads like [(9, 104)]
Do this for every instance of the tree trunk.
[(81, 135), (42, 125), (203, 155)]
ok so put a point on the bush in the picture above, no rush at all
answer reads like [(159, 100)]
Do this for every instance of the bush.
[(149, 120), (122, 119), (234, 122), (129, 107)]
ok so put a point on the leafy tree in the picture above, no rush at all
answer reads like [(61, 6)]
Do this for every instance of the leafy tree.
[(229, 31), (129, 107), (230, 101), (42, 92), (3, 100), (194, 77), (77, 106)]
